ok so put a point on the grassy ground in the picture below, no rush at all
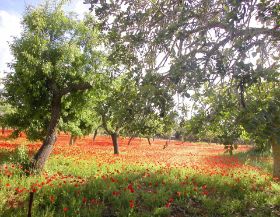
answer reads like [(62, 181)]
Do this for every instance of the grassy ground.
[(181, 180)]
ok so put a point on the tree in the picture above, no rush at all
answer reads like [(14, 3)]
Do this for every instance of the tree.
[(56, 58), (114, 104), (216, 117), (154, 113), (261, 118)]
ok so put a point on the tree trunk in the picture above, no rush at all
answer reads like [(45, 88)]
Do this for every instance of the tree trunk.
[(45, 150), (165, 145), (115, 143), (72, 140), (130, 139), (276, 158), (31, 198), (94, 135), (3, 130), (149, 141)]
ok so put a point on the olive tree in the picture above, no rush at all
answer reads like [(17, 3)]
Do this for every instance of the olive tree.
[(114, 104)]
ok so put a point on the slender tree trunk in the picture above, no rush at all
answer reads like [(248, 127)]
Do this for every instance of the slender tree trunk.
[(276, 158), (31, 198), (45, 150), (165, 145), (115, 143), (94, 135), (3, 130), (72, 140), (149, 141), (130, 139)]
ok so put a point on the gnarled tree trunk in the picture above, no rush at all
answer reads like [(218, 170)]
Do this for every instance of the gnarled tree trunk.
[(276, 157), (114, 137), (45, 150)]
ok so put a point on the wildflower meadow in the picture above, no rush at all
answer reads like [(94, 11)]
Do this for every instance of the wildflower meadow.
[(180, 179)]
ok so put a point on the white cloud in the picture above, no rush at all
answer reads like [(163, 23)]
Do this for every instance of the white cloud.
[(9, 26)]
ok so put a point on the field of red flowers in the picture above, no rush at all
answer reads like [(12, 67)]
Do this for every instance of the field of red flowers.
[(162, 179)]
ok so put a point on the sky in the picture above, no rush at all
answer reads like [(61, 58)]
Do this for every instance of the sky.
[(11, 12)]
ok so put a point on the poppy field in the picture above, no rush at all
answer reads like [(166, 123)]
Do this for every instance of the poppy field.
[(161, 179)]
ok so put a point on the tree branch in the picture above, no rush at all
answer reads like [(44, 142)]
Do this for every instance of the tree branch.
[(75, 87)]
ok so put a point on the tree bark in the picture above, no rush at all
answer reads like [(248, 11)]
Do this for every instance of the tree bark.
[(45, 150), (276, 158), (94, 135), (115, 143), (3, 130), (130, 139), (149, 141), (72, 140)]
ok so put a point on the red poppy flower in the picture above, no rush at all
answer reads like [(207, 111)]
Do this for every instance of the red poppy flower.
[(131, 203)]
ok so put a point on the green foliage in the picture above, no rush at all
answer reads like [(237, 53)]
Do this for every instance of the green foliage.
[(114, 102), (54, 55), (20, 156), (194, 39), (154, 104), (217, 117), (79, 117), (130, 108), (261, 117)]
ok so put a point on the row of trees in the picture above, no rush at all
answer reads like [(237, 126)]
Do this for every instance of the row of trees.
[(120, 69), (226, 51)]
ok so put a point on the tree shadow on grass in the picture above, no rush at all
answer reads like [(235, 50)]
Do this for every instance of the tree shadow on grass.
[(141, 192), (7, 149), (5, 156), (262, 160)]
